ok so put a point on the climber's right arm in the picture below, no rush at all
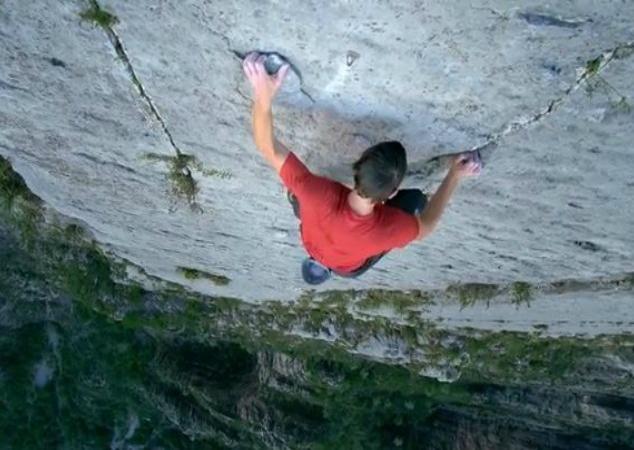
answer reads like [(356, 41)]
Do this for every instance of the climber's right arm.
[(265, 87), (273, 150)]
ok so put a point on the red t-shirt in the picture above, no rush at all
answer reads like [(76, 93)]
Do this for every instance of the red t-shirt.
[(332, 232)]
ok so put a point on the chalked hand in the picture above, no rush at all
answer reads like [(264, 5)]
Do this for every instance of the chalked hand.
[(467, 164), (265, 86)]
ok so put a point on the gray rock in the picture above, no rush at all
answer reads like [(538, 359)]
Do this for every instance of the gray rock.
[(439, 77)]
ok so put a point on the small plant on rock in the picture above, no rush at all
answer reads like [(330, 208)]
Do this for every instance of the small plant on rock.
[(594, 82), (470, 293), (521, 292), (183, 183), (195, 274), (98, 16)]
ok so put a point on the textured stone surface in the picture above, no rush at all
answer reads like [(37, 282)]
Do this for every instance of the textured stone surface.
[(555, 200)]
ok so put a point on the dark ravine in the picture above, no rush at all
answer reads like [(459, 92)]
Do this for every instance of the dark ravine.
[(106, 362)]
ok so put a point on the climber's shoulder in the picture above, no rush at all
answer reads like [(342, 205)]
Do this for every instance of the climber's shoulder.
[(305, 184)]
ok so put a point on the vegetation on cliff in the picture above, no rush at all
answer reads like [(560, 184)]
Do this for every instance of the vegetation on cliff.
[(91, 359)]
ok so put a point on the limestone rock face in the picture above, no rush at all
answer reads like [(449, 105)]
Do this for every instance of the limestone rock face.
[(95, 116)]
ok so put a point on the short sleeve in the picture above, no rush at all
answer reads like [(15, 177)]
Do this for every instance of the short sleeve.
[(307, 187), (294, 173), (404, 228)]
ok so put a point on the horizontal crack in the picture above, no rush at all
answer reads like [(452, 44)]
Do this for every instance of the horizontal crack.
[(592, 68)]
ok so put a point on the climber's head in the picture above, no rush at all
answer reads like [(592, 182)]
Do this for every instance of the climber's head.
[(380, 170)]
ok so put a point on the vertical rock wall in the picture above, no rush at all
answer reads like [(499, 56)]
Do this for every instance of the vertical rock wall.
[(118, 124)]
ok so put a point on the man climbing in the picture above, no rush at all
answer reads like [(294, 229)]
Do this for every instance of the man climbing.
[(348, 230)]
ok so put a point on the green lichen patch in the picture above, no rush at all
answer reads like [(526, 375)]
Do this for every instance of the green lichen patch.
[(195, 274), (521, 293), (593, 66), (181, 170), (98, 16), (183, 184), (469, 294), (400, 301)]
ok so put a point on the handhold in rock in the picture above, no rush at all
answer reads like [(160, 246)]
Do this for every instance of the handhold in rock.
[(351, 57), (474, 156), (538, 19), (273, 62)]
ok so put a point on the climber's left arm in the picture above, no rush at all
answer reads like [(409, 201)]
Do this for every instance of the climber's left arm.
[(265, 87)]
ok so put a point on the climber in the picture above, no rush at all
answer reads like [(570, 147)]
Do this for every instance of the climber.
[(348, 230)]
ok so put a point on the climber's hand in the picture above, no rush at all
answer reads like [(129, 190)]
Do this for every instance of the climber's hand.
[(265, 86), (465, 165)]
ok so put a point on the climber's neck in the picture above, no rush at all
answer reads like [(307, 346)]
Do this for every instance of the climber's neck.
[(361, 206)]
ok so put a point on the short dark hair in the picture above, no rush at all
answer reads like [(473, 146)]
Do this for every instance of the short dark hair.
[(380, 170)]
